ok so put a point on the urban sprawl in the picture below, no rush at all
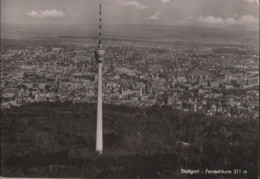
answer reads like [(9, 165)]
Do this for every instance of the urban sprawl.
[(221, 81)]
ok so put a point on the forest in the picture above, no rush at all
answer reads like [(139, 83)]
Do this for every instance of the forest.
[(58, 140)]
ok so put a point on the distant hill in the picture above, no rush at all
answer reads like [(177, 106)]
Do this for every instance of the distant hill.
[(58, 140), (170, 34)]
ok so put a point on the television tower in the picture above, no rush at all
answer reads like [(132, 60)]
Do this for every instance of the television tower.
[(99, 56)]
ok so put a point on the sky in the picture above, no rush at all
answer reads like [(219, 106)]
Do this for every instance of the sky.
[(158, 12)]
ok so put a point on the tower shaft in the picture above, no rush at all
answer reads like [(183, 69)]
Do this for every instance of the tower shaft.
[(99, 132)]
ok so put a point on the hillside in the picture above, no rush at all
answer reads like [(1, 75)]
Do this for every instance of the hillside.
[(58, 140)]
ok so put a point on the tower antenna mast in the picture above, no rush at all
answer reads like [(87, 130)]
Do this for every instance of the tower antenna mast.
[(100, 27)]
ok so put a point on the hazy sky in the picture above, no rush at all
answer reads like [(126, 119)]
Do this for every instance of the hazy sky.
[(216, 12)]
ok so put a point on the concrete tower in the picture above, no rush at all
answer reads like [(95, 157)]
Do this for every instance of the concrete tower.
[(99, 56)]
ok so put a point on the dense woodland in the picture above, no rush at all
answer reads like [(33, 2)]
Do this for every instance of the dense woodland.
[(58, 140)]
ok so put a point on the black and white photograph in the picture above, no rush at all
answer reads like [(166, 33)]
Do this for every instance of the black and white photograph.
[(130, 89)]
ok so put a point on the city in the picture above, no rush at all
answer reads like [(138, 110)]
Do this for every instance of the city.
[(204, 80)]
